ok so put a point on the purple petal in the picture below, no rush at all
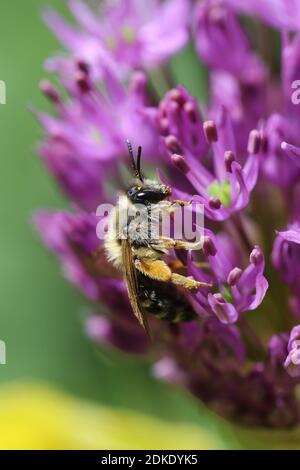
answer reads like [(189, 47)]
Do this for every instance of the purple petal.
[(225, 312), (292, 152), (128, 338), (292, 235)]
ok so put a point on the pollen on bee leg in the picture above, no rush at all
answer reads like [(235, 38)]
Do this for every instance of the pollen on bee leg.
[(182, 203), (188, 282), (156, 269)]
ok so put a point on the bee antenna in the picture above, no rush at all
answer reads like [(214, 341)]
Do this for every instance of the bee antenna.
[(130, 151), (136, 167), (139, 157)]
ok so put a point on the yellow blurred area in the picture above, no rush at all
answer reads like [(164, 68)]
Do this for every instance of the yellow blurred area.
[(35, 416)]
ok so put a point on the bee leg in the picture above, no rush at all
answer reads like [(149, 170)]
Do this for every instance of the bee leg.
[(169, 243), (187, 282), (181, 203), (172, 206), (160, 271), (156, 269)]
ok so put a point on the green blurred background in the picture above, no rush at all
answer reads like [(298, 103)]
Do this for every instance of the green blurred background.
[(41, 317)]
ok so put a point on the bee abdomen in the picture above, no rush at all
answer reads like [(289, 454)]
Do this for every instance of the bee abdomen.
[(163, 300)]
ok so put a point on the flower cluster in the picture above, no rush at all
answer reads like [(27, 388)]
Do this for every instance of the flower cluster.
[(239, 156)]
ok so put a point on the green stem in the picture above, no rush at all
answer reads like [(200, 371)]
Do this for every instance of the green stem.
[(255, 347)]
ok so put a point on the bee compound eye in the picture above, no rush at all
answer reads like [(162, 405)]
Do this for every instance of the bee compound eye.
[(131, 191)]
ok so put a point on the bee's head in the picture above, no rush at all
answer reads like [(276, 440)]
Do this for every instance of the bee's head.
[(148, 192), (144, 191)]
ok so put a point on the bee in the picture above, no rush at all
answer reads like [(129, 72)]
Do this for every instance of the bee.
[(153, 287)]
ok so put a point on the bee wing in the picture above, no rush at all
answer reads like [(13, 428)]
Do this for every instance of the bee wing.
[(132, 284)]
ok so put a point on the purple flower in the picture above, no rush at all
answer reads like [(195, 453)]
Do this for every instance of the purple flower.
[(240, 84), (239, 290), (282, 127), (180, 123), (222, 43), (286, 254), (277, 167), (238, 156), (215, 348), (120, 333), (238, 76), (244, 100), (282, 14), (73, 238), (208, 359), (293, 153), (226, 187), (124, 33), (86, 137), (286, 259)]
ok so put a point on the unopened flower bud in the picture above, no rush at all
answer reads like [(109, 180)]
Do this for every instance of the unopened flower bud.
[(180, 163), (234, 276), (254, 142), (214, 203), (210, 131), (208, 247), (48, 89), (173, 144), (229, 158)]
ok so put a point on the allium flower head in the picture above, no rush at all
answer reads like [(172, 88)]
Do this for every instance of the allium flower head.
[(222, 43), (127, 34), (239, 290), (86, 137), (238, 155), (185, 137)]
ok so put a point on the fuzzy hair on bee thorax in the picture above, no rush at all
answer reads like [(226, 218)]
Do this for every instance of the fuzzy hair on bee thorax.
[(137, 223)]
